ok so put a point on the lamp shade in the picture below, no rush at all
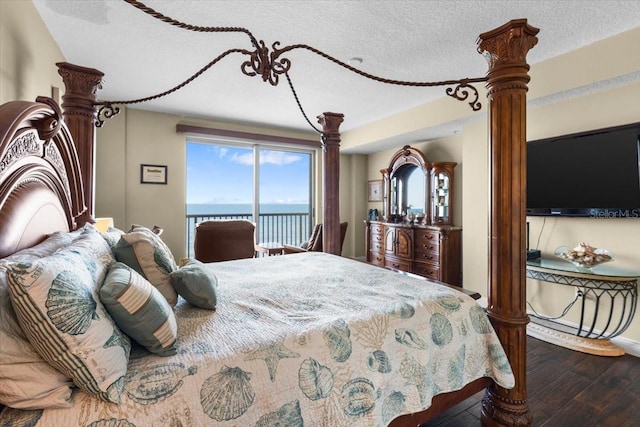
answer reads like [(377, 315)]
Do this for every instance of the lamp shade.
[(103, 224)]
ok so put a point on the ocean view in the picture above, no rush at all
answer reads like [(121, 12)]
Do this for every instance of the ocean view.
[(278, 222), (244, 208)]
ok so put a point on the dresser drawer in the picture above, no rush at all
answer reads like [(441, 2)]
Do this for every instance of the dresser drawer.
[(427, 255), (397, 264), (376, 259), (377, 238), (377, 229), (426, 240), (422, 246), (377, 246), (428, 270)]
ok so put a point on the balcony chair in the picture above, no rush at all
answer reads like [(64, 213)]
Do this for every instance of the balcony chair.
[(224, 240), (314, 244)]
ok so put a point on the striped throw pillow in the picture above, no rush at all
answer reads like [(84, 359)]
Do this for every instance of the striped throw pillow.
[(139, 309), (145, 252)]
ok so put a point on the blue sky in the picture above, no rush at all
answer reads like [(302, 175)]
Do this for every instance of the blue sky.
[(224, 174)]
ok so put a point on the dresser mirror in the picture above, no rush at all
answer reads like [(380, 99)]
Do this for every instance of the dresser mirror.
[(406, 186), (416, 192)]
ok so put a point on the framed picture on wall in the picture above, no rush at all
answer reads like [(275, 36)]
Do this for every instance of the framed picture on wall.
[(153, 174), (375, 190)]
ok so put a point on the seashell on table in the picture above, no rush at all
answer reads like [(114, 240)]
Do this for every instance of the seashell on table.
[(584, 255)]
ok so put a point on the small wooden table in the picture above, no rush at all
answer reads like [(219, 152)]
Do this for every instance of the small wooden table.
[(270, 248)]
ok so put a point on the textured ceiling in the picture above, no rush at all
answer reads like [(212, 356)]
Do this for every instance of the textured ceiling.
[(405, 40)]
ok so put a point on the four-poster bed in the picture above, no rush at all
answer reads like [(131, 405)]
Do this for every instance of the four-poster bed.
[(23, 172)]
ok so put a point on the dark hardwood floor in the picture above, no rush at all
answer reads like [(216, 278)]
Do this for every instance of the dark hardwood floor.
[(567, 388)]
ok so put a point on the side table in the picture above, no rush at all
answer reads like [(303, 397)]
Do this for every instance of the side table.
[(270, 248), (615, 289)]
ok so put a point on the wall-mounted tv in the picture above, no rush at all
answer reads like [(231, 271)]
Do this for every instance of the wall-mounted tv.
[(589, 174)]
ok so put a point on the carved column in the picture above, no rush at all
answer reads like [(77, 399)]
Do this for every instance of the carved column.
[(331, 174), (80, 113), (506, 49)]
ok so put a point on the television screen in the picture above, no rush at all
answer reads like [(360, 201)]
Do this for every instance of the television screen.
[(593, 173)]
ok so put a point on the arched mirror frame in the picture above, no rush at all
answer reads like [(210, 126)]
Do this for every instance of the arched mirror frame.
[(397, 170)]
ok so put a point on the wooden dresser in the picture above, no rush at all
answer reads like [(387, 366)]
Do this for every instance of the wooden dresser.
[(431, 251)]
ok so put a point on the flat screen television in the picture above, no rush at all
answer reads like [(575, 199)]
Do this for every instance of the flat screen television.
[(588, 174)]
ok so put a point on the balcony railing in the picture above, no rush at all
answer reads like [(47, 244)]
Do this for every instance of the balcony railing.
[(290, 228)]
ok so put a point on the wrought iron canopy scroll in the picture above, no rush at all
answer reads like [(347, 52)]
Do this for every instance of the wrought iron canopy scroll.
[(270, 64)]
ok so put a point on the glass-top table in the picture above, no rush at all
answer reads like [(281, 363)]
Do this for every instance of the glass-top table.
[(608, 269), (608, 296)]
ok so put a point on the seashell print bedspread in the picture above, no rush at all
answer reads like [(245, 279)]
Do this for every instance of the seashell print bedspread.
[(302, 340)]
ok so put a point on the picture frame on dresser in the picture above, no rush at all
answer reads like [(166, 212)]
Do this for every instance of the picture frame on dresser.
[(375, 190)]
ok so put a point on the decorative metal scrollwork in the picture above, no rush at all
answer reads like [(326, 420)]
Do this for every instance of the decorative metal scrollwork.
[(270, 66), (462, 91), (105, 112), (266, 65)]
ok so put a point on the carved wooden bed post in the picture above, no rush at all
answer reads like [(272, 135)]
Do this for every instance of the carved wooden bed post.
[(80, 113), (506, 49), (331, 174)]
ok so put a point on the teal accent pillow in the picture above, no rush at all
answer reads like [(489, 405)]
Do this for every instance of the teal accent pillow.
[(56, 301), (139, 309), (112, 236), (196, 283), (145, 252)]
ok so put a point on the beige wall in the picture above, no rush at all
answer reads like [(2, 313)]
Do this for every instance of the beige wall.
[(353, 197), (28, 53)]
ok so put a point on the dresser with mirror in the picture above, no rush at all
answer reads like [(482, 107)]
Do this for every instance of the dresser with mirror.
[(415, 231)]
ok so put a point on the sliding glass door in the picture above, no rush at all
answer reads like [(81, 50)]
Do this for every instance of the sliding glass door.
[(269, 185), (284, 195)]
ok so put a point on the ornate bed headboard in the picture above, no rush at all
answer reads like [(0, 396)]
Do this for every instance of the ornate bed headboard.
[(40, 182)]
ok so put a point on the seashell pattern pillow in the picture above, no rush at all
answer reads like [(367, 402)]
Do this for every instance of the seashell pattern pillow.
[(145, 252), (196, 283), (28, 381), (139, 309), (57, 305)]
